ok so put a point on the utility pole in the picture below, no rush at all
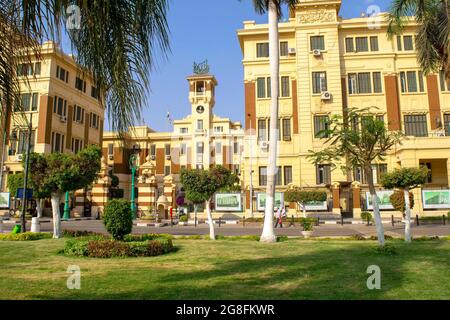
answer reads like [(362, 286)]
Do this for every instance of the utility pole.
[(25, 178)]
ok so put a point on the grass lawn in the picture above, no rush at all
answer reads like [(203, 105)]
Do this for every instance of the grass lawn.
[(225, 269)]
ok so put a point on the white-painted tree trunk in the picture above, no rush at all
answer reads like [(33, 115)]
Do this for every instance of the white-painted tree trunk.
[(212, 234), (268, 234), (303, 206), (407, 216), (56, 196), (39, 207), (376, 207)]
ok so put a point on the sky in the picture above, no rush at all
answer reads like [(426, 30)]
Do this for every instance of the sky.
[(206, 29)]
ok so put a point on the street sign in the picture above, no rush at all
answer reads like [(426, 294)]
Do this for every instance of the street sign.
[(29, 193)]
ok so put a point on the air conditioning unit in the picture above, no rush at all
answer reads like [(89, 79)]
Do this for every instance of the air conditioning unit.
[(264, 145), (317, 52), (153, 158), (292, 51), (168, 157), (326, 95), (63, 118), (110, 157), (19, 157), (5, 168)]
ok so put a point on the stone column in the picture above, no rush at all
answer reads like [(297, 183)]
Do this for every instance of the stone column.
[(335, 188), (356, 193), (147, 187), (100, 189)]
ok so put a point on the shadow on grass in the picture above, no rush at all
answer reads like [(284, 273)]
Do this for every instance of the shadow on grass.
[(334, 270)]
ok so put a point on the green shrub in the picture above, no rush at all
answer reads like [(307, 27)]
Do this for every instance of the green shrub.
[(183, 218), (357, 237), (307, 225), (366, 215), (448, 214), (113, 248), (26, 236), (118, 219), (146, 237), (76, 247), (386, 237), (78, 234), (387, 249)]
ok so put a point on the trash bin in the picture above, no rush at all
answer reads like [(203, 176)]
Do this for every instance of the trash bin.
[(35, 225)]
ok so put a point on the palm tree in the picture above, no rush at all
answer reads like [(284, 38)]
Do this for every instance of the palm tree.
[(274, 9), (432, 43), (114, 40)]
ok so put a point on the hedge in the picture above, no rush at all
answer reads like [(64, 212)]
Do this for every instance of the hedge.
[(26, 236)]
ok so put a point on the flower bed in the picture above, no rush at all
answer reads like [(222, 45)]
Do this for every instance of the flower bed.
[(26, 236)]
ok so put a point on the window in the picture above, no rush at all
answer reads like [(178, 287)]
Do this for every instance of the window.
[(236, 147), (184, 130), (153, 150), (408, 43), (94, 92), (110, 149), (416, 125), (444, 85), (319, 80), (78, 114), (269, 87), (285, 89), (57, 142), (60, 106), (25, 69), (183, 149), (321, 123), (262, 50), (167, 149), (374, 44), (377, 86), (349, 47), (262, 130), (62, 74), (430, 175), (317, 43), (399, 43), (278, 180), (364, 83), (28, 102), (80, 84), (37, 69), (447, 124), (34, 101), (20, 146), (77, 145), (200, 87), (218, 129), (199, 147), (381, 170), (167, 170), (261, 87), (323, 174), (284, 50), (362, 44), (287, 129), (353, 83), (287, 175), (95, 119), (380, 118), (236, 169), (218, 148), (199, 125), (262, 176), (411, 81)]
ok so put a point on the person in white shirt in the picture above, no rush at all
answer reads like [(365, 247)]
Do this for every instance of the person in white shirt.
[(278, 216)]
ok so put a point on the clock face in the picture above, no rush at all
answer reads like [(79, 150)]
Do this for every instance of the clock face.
[(200, 109)]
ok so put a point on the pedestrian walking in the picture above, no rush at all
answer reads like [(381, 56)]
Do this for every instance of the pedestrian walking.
[(278, 217)]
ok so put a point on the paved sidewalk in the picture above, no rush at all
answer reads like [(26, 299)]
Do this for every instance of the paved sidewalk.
[(255, 229)]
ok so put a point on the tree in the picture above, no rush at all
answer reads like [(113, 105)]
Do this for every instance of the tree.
[(201, 185), (357, 140), (398, 201), (433, 31), (115, 40), (274, 9), (57, 173), (405, 179), (302, 197)]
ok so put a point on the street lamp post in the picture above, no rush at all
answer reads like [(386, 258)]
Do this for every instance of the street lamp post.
[(251, 167), (134, 166), (25, 178), (66, 207)]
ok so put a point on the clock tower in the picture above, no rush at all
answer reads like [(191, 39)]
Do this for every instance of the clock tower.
[(202, 98)]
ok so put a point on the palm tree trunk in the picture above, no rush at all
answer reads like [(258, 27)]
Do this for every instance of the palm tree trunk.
[(56, 196), (268, 234), (407, 216), (376, 208), (212, 234)]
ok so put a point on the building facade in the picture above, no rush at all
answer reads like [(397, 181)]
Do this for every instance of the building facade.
[(64, 108), (328, 64), (200, 140)]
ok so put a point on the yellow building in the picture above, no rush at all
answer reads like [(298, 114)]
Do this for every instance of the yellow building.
[(327, 64), (64, 108), (199, 140)]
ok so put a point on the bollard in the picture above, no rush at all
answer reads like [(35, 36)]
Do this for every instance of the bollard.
[(342, 220), (392, 220), (220, 221), (1, 225), (243, 222), (443, 219), (318, 221), (35, 225), (417, 219), (292, 224), (171, 221)]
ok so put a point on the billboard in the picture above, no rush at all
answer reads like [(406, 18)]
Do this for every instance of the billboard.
[(436, 199), (261, 199), (317, 206), (228, 202), (383, 196), (4, 200)]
